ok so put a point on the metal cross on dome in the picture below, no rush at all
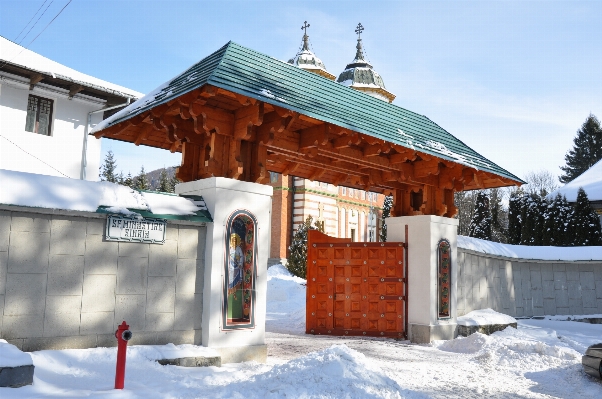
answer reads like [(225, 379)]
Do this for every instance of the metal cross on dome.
[(359, 29), (305, 26)]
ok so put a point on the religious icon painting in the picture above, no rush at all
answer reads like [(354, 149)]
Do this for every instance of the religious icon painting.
[(444, 283), (240, 271)]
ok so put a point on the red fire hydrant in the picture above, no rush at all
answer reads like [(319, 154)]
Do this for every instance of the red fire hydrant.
[(123, 335)]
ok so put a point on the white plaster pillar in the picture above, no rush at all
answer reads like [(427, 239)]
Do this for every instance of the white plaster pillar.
[(224, 196), (424, 233)]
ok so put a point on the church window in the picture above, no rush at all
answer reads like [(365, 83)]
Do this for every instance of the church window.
[(39, 115), (240, 271)]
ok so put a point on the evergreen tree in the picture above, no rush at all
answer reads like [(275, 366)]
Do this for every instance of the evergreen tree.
[(297, 260), (128, 181), (550, 225), (565, 227), (107, 170), (587, 223), (499, 216), (587, 150), (532, 220), (515, 206), (388, 204), (164, 183), (172, 182), (465, 202), (141, 181), (480, 225)]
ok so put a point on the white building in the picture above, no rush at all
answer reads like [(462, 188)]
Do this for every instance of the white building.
[(46, 111)]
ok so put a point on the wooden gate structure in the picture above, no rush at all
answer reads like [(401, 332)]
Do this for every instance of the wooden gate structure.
[(356, 288)]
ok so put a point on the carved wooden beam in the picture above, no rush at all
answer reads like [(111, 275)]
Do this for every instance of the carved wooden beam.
[(314, 136), (34, 80), (347, 140), (245, 118), (146, 130), (74, 89)]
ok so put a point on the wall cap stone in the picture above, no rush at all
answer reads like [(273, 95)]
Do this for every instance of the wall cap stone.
[(525, 260)]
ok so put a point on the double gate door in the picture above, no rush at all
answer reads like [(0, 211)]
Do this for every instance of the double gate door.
[(355, 288)]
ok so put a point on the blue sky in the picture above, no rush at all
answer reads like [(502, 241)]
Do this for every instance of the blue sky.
[(513, 80)]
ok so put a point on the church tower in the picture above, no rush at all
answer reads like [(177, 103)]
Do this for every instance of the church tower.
[(306, 59), (360, 75)]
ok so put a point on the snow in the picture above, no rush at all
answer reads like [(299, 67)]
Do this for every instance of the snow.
[(465, 159), (16, 54), (269, 94), (590, 180), (540, 359), (285, 301), (483, 317), (33, 190), (11, 356), (530, 252)]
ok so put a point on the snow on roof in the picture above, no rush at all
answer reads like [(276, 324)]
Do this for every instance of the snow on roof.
[(13, 53), (40, 191), (590, 180), (530, 252)]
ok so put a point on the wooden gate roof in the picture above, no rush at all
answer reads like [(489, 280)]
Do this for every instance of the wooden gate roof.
[(250, 73), (322, 124)]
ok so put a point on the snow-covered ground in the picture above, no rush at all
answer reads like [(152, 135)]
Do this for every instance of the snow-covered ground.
[(539, 360)]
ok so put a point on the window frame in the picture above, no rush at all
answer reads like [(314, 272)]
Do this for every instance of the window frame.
[(37, 115)]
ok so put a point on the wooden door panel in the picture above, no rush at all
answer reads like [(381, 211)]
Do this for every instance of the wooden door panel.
[(355, 288)]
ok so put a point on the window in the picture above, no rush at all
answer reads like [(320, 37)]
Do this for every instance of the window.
[(351, 192), (240, 271), (274, 177), (343, 190), (363, 195), (39, 115), (353, 235)]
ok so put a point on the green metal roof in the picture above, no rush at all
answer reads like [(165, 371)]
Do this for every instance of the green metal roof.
[(244, 71)]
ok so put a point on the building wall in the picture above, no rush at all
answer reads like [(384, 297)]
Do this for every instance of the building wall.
[(62, 285), (282, 205), (340, 209), (523, 287), (62, 150)]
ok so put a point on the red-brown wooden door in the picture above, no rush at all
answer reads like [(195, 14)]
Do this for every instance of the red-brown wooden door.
[(355, 288)]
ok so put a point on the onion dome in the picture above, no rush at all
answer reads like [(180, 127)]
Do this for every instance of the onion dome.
[(360, 75), (306, 59)]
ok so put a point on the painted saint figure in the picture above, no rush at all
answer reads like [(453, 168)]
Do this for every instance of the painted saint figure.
[(239, 270), (235, 267)]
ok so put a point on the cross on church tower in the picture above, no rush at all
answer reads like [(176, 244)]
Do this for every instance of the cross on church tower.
[(305, 26), (359, 29), (359, 55), (305, 37)]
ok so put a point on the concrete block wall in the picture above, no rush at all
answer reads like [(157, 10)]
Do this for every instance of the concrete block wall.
[(525, 288), (63, 286)]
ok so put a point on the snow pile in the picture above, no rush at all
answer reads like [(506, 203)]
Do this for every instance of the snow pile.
[(170, 351), (11, 356), (285, 311), (40, 191), (590, 180), (336, 372), (484, 317), (530, 252)]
